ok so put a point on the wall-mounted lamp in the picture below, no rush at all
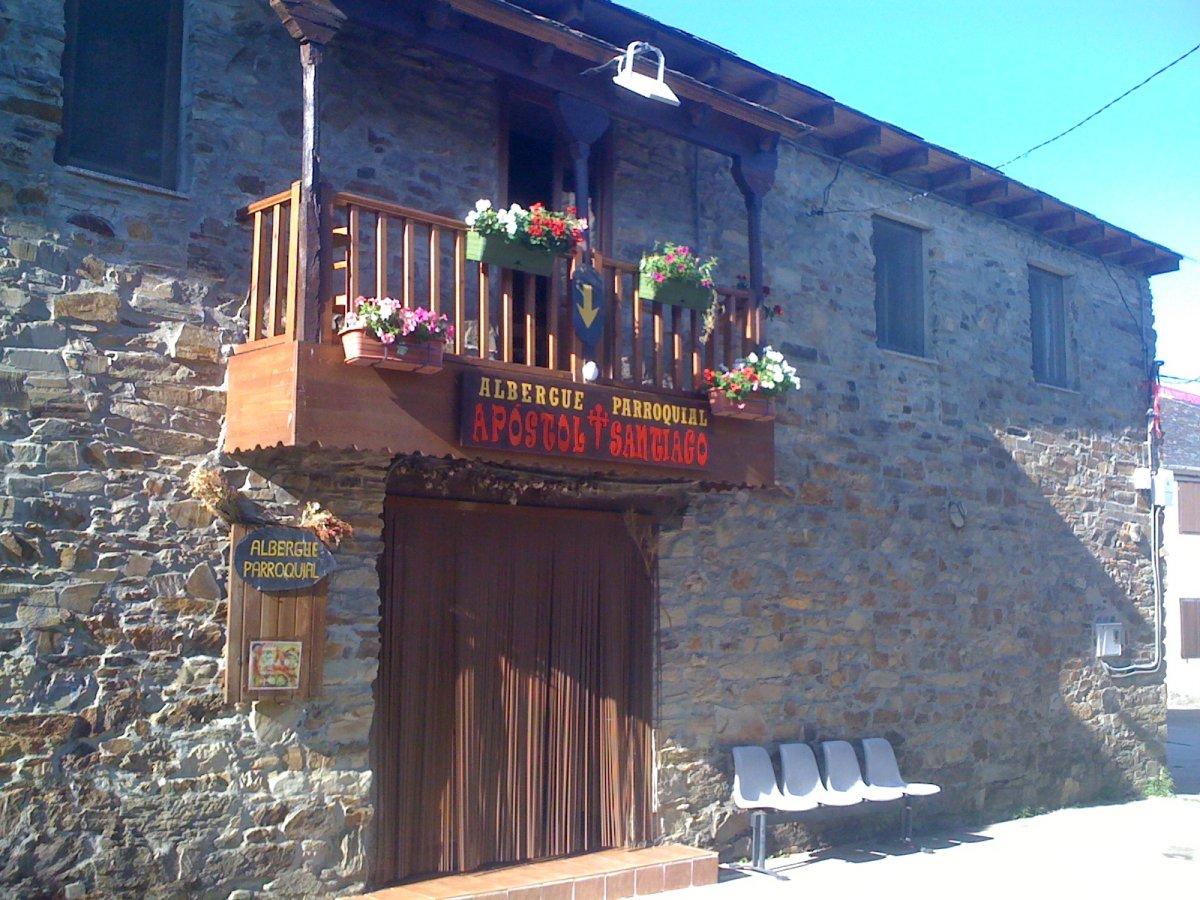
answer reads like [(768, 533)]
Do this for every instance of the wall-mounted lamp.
[(591, 371), (653, 88)]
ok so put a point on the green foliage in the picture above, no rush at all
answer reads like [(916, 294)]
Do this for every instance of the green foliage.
[(1161, 785), (1028, 812)]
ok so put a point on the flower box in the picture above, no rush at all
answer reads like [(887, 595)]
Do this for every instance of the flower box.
[(674, 293), (509, 254), (364, 349), (754, 409)]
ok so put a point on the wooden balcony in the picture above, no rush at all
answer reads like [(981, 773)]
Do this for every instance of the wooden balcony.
[(292, 392)]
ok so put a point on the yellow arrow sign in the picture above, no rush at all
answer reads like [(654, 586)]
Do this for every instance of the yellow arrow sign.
[(587, 309)]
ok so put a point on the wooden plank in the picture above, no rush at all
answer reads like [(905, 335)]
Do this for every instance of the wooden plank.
[(352, 259), (460, 288), (676, 348), (657, 314), (636, 335), (381, 255), (303, 632), (614, 330), (485, 301), (251, 630), (276, 262), (410, 264), (234, 621), (694, 333), (293, 264), (506, 315), (264, 204), (285, 625), (317, 670), (435, 268), (552, 342), (256, 286), (530, 319)]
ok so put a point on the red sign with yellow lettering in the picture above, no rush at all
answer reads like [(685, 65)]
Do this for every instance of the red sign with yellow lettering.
[(562, 418)]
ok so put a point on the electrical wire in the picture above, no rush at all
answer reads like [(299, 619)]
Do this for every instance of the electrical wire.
[(1107, 105)]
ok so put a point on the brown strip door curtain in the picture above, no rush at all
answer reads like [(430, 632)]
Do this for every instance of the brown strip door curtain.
[(514, 694)]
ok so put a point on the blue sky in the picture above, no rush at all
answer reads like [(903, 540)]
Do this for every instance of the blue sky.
[(990, 80)]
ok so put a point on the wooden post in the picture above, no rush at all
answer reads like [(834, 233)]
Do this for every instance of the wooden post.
[(583, 124), (313, 23), (754, 174), (313, 246)]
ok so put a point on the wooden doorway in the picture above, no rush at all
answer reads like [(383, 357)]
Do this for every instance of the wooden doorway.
[(513, 703)]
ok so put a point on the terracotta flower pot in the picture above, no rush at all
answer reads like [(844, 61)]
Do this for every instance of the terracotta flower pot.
[(509, 254), (674, 293), (364, 349), (755, 409)]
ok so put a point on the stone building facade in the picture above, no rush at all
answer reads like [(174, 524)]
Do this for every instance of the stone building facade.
[(942, 534)]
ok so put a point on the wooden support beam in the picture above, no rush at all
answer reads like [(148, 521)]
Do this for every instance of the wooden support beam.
[(1076, 236), (905, 160), (948, 177), (709, 71), (541, 56), (863, 138), (755, 175), (569, 12), (1056, 221), (1117, 243), (309, 21), (1024, 206), (1136, 256), (1163, 263), (985, 193), (765, 93), (584, 123), (819, 116)]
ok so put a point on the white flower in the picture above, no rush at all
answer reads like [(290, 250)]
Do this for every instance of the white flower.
[(581, 224), (774, 355), (752, 358), (511, 227), (472, 217), (481, 205)]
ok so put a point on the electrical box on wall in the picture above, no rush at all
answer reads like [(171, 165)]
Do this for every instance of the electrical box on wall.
[(1143, 480), (1164, 488), (1110, 637)]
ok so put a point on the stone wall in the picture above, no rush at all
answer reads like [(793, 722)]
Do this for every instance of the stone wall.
[(842, 603)]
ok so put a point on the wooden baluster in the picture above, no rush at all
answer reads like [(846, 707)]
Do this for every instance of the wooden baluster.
[(728, 327), (695, 325), (530, 318), (636, 333), (352, 261), (676, 348), (710, 347), (749, 339), (485, 301), (460, 288), (381, 255), (276, 285), (506, 314), (657, 310), (410, 271), (293, 264), (435, 268), (552, 318), (615, 370), (573, 350), (256, 286)]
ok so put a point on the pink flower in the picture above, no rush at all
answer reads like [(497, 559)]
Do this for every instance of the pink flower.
[(660, 277), (387, 337)]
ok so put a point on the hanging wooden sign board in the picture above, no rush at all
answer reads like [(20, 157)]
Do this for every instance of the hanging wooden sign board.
[(275, 640)]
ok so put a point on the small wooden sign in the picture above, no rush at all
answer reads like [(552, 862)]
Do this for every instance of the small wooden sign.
[(276, 558), (552, 417), (275, 640)]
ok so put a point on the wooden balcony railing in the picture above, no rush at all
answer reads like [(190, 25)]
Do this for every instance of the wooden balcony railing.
[(507, 317)]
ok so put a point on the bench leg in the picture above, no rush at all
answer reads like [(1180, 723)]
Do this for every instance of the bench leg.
[(758, 839), (906, 820)]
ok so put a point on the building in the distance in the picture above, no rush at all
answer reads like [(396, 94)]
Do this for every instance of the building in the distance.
[(1180, 412), (565, 600)]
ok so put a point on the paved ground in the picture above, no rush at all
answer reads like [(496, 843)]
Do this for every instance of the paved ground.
[(1131, 849), (1183, 750)]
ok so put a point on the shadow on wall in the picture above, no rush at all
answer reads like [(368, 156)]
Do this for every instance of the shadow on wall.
[(859, 608)]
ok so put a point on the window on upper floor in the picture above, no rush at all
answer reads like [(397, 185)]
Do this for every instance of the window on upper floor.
[(121, 89), (1048, 323), (899, 286), (1188, 500)]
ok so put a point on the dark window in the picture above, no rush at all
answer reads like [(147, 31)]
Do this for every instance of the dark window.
[(899, 287), (121, 88), (1048, 320), (1189, 629), (1189, 506)]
